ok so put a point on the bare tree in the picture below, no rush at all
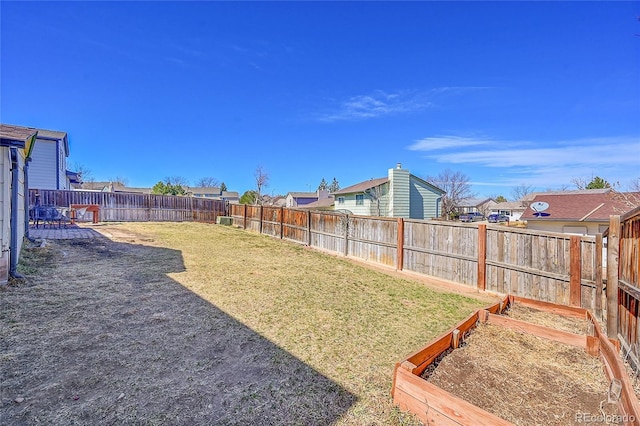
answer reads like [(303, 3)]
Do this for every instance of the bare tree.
[(561, 188), (207, 182), (375, 195), (262, 180), (324, 186), (335, 186), (634, 186), (498, 198), (177, 180), (521, 191), (121, 180), (83, 172), (594, 182), (457, 189)]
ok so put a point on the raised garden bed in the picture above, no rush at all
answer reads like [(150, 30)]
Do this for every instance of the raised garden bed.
[(518, 362)]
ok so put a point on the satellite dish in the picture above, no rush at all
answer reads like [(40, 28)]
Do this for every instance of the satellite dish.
[(539, 208)]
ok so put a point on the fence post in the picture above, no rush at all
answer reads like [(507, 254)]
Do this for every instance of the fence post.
[(281, 222), (400, 245), (260, 226), (575, 271), (309, 228), (482, 256), (598, 305), (244, 218), (613, 241)]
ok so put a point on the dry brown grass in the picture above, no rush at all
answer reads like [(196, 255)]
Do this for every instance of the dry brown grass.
[(193, 323), (551, 320)]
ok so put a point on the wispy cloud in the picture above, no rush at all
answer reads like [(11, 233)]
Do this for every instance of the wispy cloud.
[(381, 103), (445, 142), (377, 104), (510, 163)]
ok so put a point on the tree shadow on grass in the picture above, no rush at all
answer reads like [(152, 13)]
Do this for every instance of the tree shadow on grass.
[(101, 335)]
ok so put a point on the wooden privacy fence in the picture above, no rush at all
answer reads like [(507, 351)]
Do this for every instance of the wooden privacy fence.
[(546, 266), (135, 207), (623, 281)]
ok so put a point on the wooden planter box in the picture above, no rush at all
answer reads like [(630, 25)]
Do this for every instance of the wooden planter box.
[(435, 406)]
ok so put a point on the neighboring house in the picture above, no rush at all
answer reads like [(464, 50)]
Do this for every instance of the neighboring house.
[(472, 205), (15, 143), (583, 212), (213, 193), (322, 204), (299, 199), (273, 201), (230, 196), (112, 187), (74, 180), (512, 209), (48, 166), (205, 192), (400, 194)]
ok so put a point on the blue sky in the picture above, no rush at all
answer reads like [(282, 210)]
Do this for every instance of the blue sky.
[(507, 93)]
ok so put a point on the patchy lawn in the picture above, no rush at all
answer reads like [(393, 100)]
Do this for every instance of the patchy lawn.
[(183, 323)]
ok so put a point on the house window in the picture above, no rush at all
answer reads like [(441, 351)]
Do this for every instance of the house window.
[(359, 199), (340, 200)]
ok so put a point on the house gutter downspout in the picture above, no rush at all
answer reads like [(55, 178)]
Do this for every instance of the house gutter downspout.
[(13, 245), (26, 198)]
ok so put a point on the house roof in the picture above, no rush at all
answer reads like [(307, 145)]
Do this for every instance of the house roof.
[(204, 190), (99, 186), (52, 134), (303, 194), (510, 205), (277, 200), (581, 206), (529, 197), (15, 136), (362, 186), (474, 202), (74, 177), (321, 203), (230, 194), (55, 135)]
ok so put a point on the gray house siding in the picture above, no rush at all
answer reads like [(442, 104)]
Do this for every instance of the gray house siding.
[(425, 202), (399, 193), (48, 167), (350, 204), (44, 164)]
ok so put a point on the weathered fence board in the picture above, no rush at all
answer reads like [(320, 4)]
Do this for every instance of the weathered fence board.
[(330, 231), (373, 239), (441, 249), (629, 282), (537, 265), (526, 263), (134, 207)]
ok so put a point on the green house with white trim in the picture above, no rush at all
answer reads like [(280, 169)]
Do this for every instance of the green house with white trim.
[(400, 194)]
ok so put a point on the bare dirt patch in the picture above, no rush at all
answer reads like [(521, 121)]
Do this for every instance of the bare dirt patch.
[(182, 323), (100, 335), (524, 379)]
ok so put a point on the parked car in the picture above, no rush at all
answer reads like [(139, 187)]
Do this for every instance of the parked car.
[(496, 218), (472, 217)]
